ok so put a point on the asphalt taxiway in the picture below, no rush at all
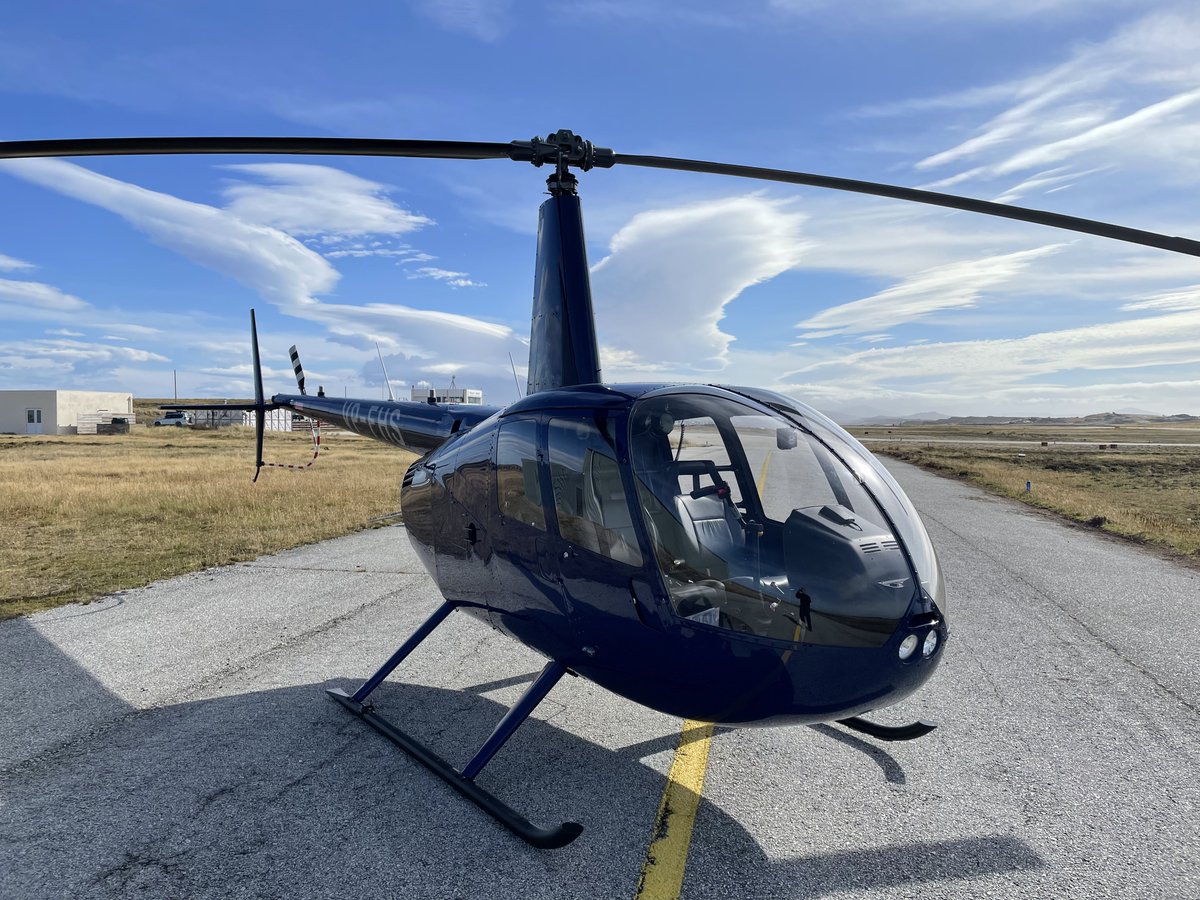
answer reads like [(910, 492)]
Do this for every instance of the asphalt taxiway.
[(176, 741)]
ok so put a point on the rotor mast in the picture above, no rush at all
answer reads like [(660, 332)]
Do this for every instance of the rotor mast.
[(563, 350)]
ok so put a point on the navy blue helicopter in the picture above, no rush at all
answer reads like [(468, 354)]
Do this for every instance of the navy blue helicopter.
[(721, 553)]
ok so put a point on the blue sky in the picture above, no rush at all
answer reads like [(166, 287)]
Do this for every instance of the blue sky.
[(114, 272)]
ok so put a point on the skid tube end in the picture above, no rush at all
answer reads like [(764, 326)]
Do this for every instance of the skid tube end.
[(908, 732)]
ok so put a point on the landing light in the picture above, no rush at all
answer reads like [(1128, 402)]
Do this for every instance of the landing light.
[(931, 641), (907, 646)]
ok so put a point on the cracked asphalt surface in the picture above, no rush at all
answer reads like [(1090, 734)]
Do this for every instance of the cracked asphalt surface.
[(176, 741)]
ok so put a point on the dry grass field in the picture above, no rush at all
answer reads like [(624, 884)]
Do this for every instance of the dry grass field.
[(1150, 494), (85, 515)]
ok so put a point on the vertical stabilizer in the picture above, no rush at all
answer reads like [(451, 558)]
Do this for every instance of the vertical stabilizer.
[(562, 339)]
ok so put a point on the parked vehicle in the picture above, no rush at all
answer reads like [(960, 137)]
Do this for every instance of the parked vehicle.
[(175, 417)]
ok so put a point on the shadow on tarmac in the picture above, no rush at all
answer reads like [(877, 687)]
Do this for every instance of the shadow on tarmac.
[(281, 793)]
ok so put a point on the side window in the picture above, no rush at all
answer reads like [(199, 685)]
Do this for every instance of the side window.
[(518, 489), (589, 497)]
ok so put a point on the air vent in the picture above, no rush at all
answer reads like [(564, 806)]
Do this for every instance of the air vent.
[(877, 546)]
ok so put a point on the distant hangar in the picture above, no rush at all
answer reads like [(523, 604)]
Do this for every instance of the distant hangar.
[(60, 412)]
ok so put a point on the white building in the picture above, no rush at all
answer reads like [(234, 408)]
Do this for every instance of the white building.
[(453, 394), (276, 419), (58, 412)]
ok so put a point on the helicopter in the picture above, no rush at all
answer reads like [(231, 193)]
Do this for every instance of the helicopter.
[(722, 553)]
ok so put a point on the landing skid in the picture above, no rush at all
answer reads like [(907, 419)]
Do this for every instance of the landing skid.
[(908, 732), (464, 781)]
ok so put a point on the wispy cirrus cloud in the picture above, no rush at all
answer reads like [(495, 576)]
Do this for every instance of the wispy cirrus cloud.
[(454, 279), (12, 264), (929, 12), (1166, 340), (1168, 301), (486, 20), (958, 285), (1127, 101)]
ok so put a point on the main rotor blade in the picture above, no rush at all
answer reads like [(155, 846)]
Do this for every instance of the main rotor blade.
[(951, 201), (235, 145)]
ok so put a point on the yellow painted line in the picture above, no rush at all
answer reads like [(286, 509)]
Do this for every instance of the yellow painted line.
[(666, 857), (762, 473)]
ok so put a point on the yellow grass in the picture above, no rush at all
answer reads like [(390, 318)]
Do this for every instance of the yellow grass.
[(82, 516), (1151, 495)]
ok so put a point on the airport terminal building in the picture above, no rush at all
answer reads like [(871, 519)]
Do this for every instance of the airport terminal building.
[(59, 412)]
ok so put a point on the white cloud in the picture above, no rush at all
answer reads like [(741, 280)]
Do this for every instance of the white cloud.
[(1128, 102), (930, 12), (1169, 301), (12, 264), (303, 199), (454, 279), (282, 269), (487, 20), (1131, 126), (66, 350), (979, 365), (662, 290), (284, 272), (957, 285), (32, 300)]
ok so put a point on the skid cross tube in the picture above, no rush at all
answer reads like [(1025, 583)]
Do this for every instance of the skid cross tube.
[(908, 732), (463, 782)]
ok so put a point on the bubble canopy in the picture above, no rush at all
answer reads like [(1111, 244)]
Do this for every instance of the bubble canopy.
[(763, 525)]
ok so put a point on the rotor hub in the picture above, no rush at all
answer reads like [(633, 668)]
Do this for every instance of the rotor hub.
[(564, 148)]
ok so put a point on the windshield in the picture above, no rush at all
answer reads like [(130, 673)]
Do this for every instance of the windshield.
[(878, 479), (758, 528)]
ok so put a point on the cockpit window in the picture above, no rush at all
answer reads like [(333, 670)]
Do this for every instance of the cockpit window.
[(589, 498), (757, 528)]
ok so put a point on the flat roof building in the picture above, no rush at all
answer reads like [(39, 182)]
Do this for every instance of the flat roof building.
[(58, 412), (452, 394)]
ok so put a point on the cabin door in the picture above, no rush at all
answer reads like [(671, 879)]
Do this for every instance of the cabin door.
[(530, 604), (33, 421), (596, 549)]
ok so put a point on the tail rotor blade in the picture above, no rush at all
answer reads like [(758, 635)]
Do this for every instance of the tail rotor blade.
[(260, 407), (258, 382), (299, 370)]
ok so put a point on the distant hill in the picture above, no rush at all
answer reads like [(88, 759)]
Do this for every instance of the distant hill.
[(1127, 417), (893, 420)]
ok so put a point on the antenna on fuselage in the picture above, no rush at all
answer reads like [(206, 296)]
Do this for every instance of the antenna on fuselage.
[(516, 380), (386, 380)]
